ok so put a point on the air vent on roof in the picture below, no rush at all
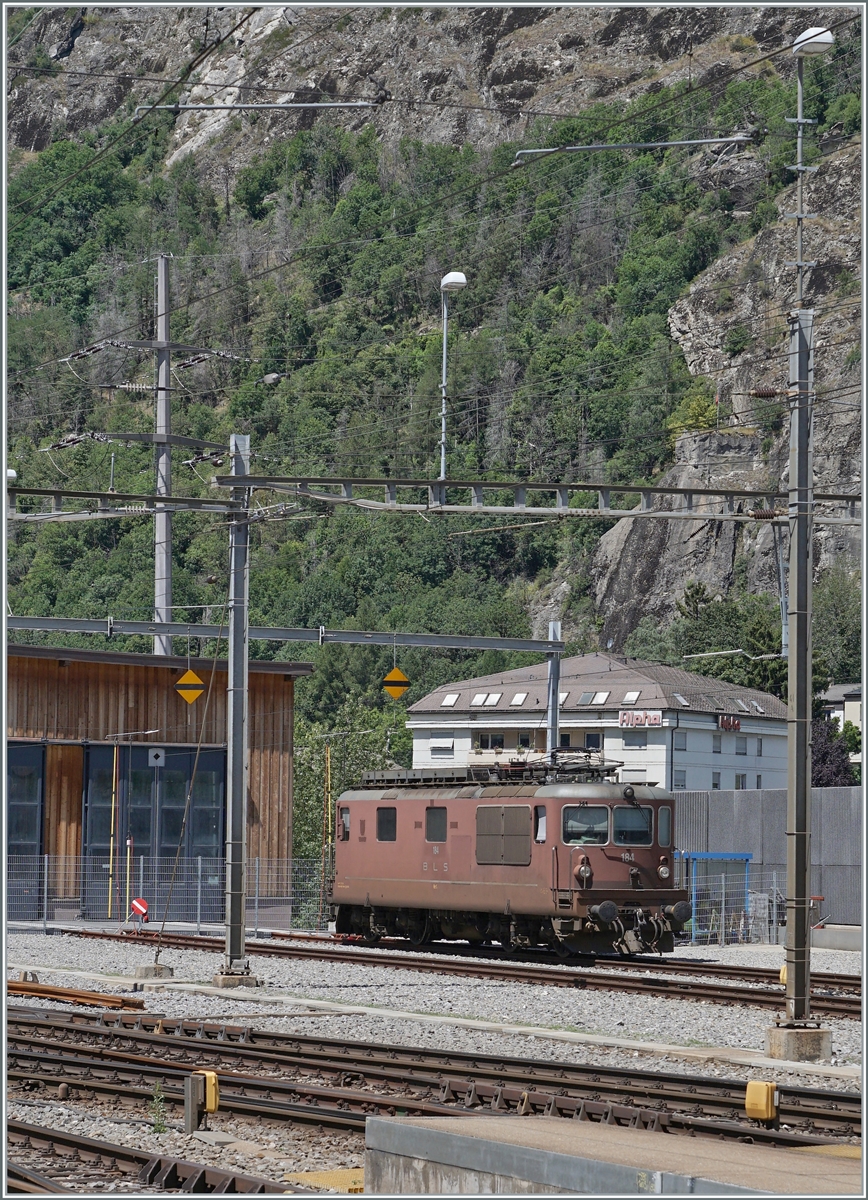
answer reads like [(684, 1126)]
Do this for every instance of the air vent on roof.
[(492, 698), (449, 701), (630, 697), (600, 697), (758, 707), (684, 703), (741, 704), (478, 700), (586, 697), (519, 698)]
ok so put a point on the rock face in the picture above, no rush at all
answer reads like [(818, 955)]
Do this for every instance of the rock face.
[(642, 566), (446, 68)]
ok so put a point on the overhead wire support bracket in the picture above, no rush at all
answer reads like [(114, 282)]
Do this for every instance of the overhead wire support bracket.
[(523, 156)]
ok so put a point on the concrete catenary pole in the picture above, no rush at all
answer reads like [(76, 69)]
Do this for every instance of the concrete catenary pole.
[(162, 517), (236, 721)]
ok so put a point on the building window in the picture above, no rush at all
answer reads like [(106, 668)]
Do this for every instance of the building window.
[(539, 823), (679, 779), (679, 739), (715, 781), (635, 739), (523, 739), (759, 782), (435, 824), (441, 745), (741, 745), (759, 747), (740, 783), (490, 741), (24, 775), (593, 741), (716, 743), (387, 824), (565, 741)]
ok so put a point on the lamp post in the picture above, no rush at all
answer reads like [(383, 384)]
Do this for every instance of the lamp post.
[(453, 282), (798, 1036)]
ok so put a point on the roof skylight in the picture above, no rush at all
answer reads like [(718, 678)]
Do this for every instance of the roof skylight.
[(684, 703), (630, 697), (758, 707), (600, 697), (492, 698), (478, 700), (586, 697), (741, 704), (518, 699), (562, 696), (449, 701)]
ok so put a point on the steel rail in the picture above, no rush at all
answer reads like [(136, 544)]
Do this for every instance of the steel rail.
[(20, 1179), (510, 972), (449, 1073), (351, 1106), (160, 1170), (671, 966), (46, 991)]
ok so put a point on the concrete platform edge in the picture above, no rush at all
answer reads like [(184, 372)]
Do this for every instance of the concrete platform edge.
[(564, 1172)]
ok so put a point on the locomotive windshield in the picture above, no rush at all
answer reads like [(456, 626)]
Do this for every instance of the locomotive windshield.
[(586, 825), (632, 825)]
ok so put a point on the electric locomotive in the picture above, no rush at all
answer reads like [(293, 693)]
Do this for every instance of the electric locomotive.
[(551, 853)]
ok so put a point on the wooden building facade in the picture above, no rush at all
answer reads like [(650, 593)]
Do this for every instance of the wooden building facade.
[(101, 746)]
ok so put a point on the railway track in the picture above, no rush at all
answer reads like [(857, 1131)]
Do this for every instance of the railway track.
[(92, 1166), (822, 980), (293, 1079), (510, 971)]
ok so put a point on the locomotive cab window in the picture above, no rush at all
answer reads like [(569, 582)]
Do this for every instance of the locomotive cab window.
[(664, 826), (344, 829), (387, 824), (632, 826), (539, 823), (586, 825), (435, 824)]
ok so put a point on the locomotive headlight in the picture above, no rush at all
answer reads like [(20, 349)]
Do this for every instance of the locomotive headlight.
[(663, 869), (584, 871)]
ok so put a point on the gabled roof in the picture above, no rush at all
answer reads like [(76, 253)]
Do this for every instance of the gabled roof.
[(657, 685)]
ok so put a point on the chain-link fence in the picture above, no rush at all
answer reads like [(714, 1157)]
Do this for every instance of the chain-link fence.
[(737, 901), (281, 894)]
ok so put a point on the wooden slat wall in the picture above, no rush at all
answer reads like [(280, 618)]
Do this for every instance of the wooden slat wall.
[(64, 771), (97, 702)]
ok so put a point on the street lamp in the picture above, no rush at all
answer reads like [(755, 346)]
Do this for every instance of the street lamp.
[(453, 282)]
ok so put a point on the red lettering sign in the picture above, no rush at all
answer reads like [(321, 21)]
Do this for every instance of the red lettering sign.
[(732, 724)]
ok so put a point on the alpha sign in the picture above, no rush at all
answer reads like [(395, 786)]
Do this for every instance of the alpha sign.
[(733, 724), (630, 718)]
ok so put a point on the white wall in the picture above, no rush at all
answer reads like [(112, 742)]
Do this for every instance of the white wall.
[(657, 760)]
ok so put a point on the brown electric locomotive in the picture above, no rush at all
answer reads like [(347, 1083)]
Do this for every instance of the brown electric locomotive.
[(520, 855)]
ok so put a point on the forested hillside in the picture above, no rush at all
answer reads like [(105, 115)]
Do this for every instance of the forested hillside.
[(322, 263)]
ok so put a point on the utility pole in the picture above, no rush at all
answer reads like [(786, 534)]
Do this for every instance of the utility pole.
[(797, 1037), (163, 517), (554, 697), (236, 968)]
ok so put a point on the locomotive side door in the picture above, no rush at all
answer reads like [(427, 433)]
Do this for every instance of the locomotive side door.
[(435, 858)]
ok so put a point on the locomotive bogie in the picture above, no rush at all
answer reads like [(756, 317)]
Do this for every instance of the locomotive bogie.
[(577, 866)]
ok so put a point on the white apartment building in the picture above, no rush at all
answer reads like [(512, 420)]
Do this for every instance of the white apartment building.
[(662, 725)]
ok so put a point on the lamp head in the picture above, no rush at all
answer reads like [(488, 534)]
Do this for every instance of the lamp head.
[(813, 41), (11, 475), (453, 282)]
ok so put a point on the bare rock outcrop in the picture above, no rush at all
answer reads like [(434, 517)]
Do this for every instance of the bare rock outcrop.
[(642, 566)]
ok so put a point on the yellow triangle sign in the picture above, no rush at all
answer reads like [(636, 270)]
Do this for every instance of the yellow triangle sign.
[(396, 683), (190, 686)]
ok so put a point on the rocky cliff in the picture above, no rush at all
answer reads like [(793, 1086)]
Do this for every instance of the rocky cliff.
[(642, 566)]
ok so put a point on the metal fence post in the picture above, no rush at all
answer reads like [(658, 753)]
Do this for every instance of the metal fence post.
[(199, 894), (45, 894), (722, 936), (256, 904), (142, 875)]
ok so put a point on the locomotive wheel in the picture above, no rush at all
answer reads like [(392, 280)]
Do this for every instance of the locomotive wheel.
[(420, 937)]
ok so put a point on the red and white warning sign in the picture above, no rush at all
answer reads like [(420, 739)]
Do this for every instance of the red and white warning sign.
[(140, 908)]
